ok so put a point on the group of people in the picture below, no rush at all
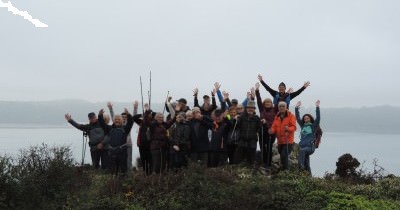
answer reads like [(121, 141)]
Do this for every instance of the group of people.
[(207, 134)]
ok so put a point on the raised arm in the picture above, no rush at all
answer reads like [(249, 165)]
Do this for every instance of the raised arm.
[(317, 112), (258, 97), (171, 109), (135, 107), (213, 102), (129, 122), (295, 94), (268, 88), (102, 122), (110, 108), (75, 124), (299, 121), (196, 101)]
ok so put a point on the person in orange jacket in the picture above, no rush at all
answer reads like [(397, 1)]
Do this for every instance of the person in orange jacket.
[(284, 126)]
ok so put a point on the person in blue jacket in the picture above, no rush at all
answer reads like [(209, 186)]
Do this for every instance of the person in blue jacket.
[(307, 136)]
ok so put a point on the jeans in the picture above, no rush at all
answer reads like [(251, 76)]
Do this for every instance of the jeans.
[(304, 158)]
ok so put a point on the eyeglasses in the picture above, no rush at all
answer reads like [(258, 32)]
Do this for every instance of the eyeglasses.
[(282, 106)]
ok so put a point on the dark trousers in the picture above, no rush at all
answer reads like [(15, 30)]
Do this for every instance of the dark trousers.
[(145, 158), (284, 151), (200, 157), (245, 153), (216, 158), (159, 159), (99, 156), (266, 143), (231, 150), (118, 161), (178, 159)]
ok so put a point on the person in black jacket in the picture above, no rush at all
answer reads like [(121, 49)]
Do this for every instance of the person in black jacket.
[(158, 141), (142, 142), (179, 142), (282, 95), (249, 125), (209, 105), (220, 129), (96, 136), (117, 141), (200, 129)]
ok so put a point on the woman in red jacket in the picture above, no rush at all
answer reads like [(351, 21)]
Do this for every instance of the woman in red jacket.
[(284, 126)]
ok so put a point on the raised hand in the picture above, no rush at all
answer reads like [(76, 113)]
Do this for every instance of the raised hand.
[(169, 99), (101, 112), (68, 117), (146, 107), (109, 105), (290, 90), (248, 95), (306, 84), (260, 78), (213, 92), (217, 86), (226, 95), (317, 103), (298, 104), (257, 86), (195, 91), (135, 104), (253, 92)]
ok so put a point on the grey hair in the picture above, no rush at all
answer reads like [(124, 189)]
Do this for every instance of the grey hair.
[(282, 103)]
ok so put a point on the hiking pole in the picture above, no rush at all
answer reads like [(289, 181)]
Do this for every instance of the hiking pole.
[(150, 92), (165, 102), (262, 144), (287, 148), (141, 92)]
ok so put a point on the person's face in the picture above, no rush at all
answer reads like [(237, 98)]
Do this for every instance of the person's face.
[(180, 118), (182, 105), (197, 115), (93, 120), (232, 113), (250, 110), (306, 119), (240, 109), (118, 120), (282, 108), (282, 89), (189, 116), (219, 119), (268, 104), (207, 101), (159, 118)]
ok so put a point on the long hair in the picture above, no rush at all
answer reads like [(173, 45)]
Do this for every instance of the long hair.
[(310, 116)]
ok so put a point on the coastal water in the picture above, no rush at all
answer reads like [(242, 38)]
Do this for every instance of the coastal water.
[(365, 147)]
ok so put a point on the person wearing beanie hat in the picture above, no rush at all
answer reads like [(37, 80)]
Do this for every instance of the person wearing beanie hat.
[(208, 107), (281, 94)]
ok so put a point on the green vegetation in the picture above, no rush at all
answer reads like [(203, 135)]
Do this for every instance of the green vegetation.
[(46, 178)]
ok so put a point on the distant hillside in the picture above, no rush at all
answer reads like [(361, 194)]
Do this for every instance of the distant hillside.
[(382, 119)]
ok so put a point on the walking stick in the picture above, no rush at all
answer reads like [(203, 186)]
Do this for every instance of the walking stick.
[(141, 92), (287, 148), (262, 144), (150, 92)]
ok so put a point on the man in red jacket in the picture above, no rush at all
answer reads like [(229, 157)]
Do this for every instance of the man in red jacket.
[(284, 126)]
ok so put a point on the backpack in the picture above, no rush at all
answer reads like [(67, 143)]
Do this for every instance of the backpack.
[(318, 135)]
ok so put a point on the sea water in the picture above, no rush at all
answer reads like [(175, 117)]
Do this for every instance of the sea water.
[(365, 147)]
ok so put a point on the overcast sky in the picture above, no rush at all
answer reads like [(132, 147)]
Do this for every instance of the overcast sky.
[(96, 50)]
